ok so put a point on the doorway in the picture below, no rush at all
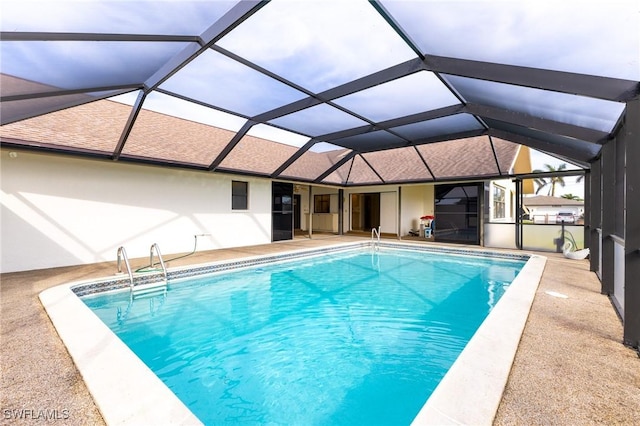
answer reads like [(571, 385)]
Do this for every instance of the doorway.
[(365, 211), (457, 213), (282, 211), (296, 211)]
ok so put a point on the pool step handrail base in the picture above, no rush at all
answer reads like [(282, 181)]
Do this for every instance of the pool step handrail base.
[(140, 290)]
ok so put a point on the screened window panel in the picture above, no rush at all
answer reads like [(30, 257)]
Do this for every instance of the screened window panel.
[(222, 82), (371, 141), (263, 149), (170, 105), (317, 44), (462, 157), (620, 190), (271, 133), (318, 120), (85, 64), (93, 126), (412, 94), (341, 175), (114, 17), (505, 153), (257, 155), (571, 109), (12, 86), (583, 151), (312, 164), (446, 125), (19, 110), (361, 173), (397, 165), (564, 37), (160, 136)]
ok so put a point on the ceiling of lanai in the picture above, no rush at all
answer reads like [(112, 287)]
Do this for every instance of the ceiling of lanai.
[(341, 92)]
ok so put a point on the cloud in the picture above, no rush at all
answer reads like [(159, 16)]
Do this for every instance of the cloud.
[(278, 135), (215, 79), (112, 16), (318, 44), (412, 94), (599, 38)]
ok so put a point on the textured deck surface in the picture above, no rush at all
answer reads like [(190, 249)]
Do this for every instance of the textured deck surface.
[(570, 368)]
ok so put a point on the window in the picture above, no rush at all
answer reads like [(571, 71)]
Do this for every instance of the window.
[(498, 202), (321, 203), (239, 195)]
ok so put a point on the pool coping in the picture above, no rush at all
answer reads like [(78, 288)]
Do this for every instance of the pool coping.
[(116, 377), (471, 391)]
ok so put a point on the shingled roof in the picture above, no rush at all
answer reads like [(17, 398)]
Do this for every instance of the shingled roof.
[(547, 200), (398, 89), (97, 127)]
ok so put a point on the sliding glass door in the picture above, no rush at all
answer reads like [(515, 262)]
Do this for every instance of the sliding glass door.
[(457, 213)]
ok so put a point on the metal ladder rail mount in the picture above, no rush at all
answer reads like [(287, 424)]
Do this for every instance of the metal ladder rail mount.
[(164, 268), (156, 288), (122, 254), (375, 243)]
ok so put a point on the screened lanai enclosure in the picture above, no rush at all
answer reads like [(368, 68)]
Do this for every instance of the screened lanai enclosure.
[(342, 94)]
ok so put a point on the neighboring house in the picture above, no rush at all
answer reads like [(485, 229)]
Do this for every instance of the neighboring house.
[(547, 209), (502, 192)]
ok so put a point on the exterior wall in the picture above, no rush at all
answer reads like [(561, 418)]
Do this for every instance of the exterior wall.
[(327, 222), (389, 212), (59, 211), (417, 201), (509, 201), (522, 164), (303, 191)]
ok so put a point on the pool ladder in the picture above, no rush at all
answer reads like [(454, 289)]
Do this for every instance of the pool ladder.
[(149, 289), (375, 238)]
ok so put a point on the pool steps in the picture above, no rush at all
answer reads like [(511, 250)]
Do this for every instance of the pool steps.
[(148, 289)]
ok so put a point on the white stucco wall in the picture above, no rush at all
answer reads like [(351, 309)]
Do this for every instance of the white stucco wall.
[(59, 211), (417, 201)]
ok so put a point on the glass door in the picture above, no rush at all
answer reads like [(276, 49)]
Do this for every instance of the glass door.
[(457, 213), (282, 211)]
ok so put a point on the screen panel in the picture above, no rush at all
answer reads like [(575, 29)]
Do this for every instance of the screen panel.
[(562, 36), (317, 44), (397, 165), (93, 126), (458, 158)]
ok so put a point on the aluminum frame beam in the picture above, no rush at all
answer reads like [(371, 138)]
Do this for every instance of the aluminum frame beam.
[(606, 88), (234, 17)]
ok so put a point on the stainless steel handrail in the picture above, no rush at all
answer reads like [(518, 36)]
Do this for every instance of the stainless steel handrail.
[(122, 254), (164, 268), (375, 232)]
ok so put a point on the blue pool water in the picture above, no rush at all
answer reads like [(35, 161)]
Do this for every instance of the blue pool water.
[(346, 339)]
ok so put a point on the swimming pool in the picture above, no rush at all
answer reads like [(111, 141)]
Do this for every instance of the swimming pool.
[(370, 339), (359, 337)]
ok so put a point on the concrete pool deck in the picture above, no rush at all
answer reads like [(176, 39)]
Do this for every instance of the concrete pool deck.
[(570, 367)]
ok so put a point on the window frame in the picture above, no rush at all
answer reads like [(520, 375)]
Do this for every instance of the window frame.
[(239, 199), (322, 200), (499, 202)]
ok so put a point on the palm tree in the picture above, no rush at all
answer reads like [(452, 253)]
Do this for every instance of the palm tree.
[(550, 181), (572, 197)]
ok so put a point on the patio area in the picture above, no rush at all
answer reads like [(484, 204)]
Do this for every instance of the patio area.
[(570, 368)]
